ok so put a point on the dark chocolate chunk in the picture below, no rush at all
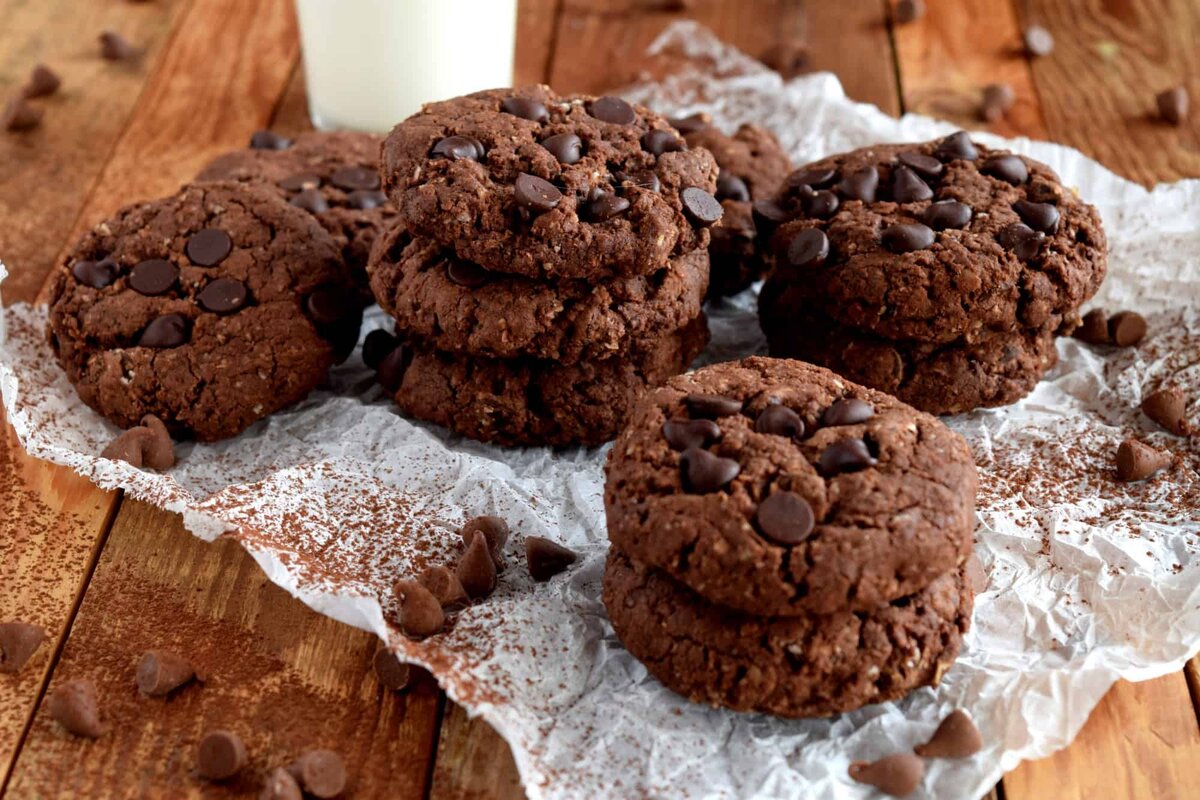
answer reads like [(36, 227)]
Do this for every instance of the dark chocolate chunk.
[(376, 346), (907, 186), (847, 455), (1008, 168), (946, 214), (391, 369), (1039, 216), (269, 140), (847, 411), (700, 206), (223, 296), (153, 277), (1023, 240), (96, 274), (684, 433), (311, 200), (703, 472), (366, 199), (467, 273), (808, 248), (821, 203), (780, 421), (355, 178), (785, 518), (604, 206), (814, 177), (169, 330), (392, 673), (613, 110), (955, 147), (536, 194), (299, 181), (731, 187), (691, 123), (546, 559), (209, 247), (859, 185), (926, 166), (712, 406), (459, 148), (566, 147), (659, 141), (907, 237), (526, 108)]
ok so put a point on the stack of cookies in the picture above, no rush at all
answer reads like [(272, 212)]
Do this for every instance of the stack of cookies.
[(786, 541), (548, 265), (939, 272)]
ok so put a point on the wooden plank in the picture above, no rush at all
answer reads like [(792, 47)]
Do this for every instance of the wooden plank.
[(473, 762), (46, 174), (280, 675), (1097, 88), (958, 47), (1142, 741), (602, 42)]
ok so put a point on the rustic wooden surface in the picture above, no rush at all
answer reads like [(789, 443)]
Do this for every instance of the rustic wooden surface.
[(108, 578)]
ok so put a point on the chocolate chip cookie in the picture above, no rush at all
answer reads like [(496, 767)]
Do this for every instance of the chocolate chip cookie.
[(753, 166), (934, 241), (456, 306), (334, 176), (532, 402), (210, 309), (537, 184), (803, 666), (777, 488)]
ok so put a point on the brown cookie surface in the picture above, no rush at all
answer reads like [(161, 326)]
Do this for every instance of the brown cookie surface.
[(209, 309), (778, 488)]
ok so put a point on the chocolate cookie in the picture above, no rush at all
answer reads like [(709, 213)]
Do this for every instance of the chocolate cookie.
[(334, 176), (934, 241), (805, 666), (530, 402), (528, 182), (210, 309), (455, 306), (777, 488), (753, 166)]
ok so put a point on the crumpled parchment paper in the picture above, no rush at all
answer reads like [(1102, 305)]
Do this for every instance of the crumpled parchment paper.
[(1090, 580)]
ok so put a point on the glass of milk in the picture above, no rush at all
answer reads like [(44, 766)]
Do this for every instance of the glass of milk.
[(371, 63)]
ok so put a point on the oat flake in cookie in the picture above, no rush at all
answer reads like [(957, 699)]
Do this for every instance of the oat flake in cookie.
[(533, 183), (778, 488), (210, 309)]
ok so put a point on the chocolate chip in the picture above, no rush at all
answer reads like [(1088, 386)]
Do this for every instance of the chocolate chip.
[(160, 672), (129, 446), (169, 330), (768, 215), (459, 148), (1094, 328), (420, 612), (955, 147), (546, 559), (353, 178), (808, 248), (658, 141), (643, 179), (846, 455), (907, 237), (390, 372), (1168, 407), (494, 529), (566, 147), (467, 273), (955, 737), (443, 584), (684, 433), (153, 277), (476, 571), (997, 99), (221, 755), (785, 518), (692, 123), (96, 274), (1137, 461), (1038, 41), (20, 115), (816, 177), (299, 181), (700, 206), (392, 673), (525, 108), (907, 11), (907, 186), (320, 773), (731, 187), (73, 705), (847, 411), (924, 165), (1039, 216), (311, 200), (1023, 240), (209, 247), (859, 185), (712, 406), (788, 57), (366, 199), (158, 451), (280, 785), (605, 206), (269, 140), (821, 204), (780, 420), (703, 472), (536, 194), (329, 304), (1126, 328), (43, 82), (115, 47), (1173, 105), (222, 296), (18, 642), (376, 346), (945, 214), (1008, 168), (897, 775), (613, 110)]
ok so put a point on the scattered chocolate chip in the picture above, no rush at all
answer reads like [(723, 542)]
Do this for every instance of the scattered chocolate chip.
[(494, 529), (535, 194), (955, 737), (169, 330), (1173, 105), (129, 446), (459, 148), (785, 518), (355, 178), (658, 141), (768, 215), (712, 406), (390, 372), (781, 421), (847, 411), (566, 147), (222, 296), (1023, 240), (643, 179), (731, 187), (1126, 328), (808, 248), (160, 672), (43, 82), (73, 705), (280, 785), (269, 140), (158, 451), (955, 147), (821, 203), (96, 274), (366, 199), (1137, 461), (703, 472), (684, 433), (1039, 216), (997, 99), (859, 185), (20, 115), (18, 642), (525, 108), (604, 206), (467, 273), (846, 455), (946, 214), (443, 584), (221, 755), (907, 11), (1168, 407), (926, 166), (546, 559), (907, 237), (115, 47), (1094, 328), (1008, 168), (815, 177), (1038, 41), (392, 673), (700, 207), (320, 773), (907, 186), (311, 200), (153, 277), (476, 570), (420, 612), (299, 181), (691, 123), (209, 247), (613, 110), (897, 775), (376, 346)]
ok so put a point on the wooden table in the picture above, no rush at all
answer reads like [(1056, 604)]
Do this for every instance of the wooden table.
[(85, 563)]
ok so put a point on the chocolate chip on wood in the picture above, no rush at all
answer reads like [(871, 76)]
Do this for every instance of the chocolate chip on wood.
[(280, 785), (392, 673), (43, 82), (73, 705), (115, 47), (20, 115), (160, 672), (18, 642), (321, 773), (220, 756), (1173, 105)]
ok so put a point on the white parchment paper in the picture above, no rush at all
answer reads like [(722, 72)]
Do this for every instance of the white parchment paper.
[(1090, 580)]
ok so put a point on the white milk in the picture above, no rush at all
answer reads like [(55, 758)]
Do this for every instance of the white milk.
[(371, 63)]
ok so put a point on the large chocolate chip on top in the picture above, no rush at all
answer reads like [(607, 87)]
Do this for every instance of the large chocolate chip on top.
[(223, 296), (785, 518), (209, 247), (153, 277), (703, 472), (170, 330)]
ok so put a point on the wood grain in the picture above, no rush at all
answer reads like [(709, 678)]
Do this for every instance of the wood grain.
[(473, 762)]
